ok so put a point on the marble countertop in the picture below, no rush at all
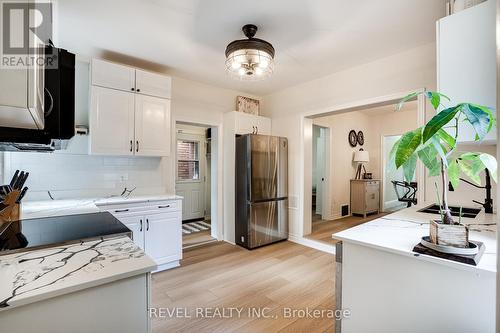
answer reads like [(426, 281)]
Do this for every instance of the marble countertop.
[(401, 231), (33, 276), (48, 208)]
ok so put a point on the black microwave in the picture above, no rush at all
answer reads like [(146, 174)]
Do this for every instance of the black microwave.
[(59, 109)]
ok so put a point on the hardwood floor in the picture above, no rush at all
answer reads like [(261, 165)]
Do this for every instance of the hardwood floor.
[(272, 278), (323, 230), (196, 238)]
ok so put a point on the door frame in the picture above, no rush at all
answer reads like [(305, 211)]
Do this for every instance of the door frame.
[(216, 172), (306, 119), (325, 199)]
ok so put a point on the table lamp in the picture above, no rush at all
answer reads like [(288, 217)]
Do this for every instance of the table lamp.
[(361, 157)]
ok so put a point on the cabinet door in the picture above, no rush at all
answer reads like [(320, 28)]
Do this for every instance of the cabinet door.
[(467, 60), (137, 225), (111, 122), (152, 126), (153, 84), (263, 125), (164, 237), (110, 75), (372, 196)]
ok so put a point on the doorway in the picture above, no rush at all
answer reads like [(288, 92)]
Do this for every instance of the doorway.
[(320, 170), (193, 169), (371, 120)]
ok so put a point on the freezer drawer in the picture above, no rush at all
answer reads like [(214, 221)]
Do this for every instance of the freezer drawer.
[(268, 222)]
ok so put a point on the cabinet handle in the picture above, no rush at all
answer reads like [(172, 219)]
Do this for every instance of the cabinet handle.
[(253, 132), (131, 145), (137, 146), (147, 224), (166, 206), (138, 90), (141, 226), (121, 210), (256, 130), (132, 89)]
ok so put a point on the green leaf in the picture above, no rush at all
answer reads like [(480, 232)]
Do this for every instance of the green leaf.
[(406, 99), (438, 121), (454, 173), (391, 163), (428, 156), (447, 138), (478, 118), (440, 150), (490, 163), (409, 142), (435, 98), (493, 120), (409, 168), (469, 168)]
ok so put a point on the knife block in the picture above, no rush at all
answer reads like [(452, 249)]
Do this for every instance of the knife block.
[(12, 210)]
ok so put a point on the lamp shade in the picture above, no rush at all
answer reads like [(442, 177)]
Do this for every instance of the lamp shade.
[(361, 156)]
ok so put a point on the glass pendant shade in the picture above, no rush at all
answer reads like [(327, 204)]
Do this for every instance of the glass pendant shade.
[(250, 59)]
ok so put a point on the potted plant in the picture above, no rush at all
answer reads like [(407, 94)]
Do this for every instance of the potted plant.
[(435, 144)]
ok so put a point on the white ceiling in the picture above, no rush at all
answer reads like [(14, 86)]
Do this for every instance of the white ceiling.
[(188, 37)]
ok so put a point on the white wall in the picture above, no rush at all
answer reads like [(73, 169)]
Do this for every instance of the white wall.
[(402, 72)]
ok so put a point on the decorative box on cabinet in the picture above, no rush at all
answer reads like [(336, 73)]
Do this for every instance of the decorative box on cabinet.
[(365, 196)]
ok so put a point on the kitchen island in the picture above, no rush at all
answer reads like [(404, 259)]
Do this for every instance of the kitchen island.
[(91, 286), (389, 288)]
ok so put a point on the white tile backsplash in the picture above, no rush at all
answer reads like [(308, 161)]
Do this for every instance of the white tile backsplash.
[(77, 176)]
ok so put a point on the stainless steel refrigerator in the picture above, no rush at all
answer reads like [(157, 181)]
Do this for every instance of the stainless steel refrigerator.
[(261, 190)]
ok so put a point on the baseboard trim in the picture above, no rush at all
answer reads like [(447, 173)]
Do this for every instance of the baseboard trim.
[(166, 266), (312, 244)]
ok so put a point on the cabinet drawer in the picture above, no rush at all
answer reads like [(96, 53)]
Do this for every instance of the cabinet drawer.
[(149, 207)]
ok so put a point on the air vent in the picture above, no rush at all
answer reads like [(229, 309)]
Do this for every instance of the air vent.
[(345, 210)]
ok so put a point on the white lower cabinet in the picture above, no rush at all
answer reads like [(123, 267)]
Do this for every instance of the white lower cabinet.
[(156, 228), (163, 237)]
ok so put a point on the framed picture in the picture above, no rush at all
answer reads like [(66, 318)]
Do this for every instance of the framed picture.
[(247, 105)]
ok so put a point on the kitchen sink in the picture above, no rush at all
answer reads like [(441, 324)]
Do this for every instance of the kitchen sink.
[(455, 211)]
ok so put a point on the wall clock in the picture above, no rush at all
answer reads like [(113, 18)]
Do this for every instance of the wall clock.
[(353, 138), (361, 138)]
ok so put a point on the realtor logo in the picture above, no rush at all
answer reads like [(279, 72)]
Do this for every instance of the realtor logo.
[(26, 29)]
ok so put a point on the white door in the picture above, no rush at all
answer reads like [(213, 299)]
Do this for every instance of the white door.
[(190, 169), (112, 122), (164, 237), (153, 84), (152, 126), (110, 75), (137, 225), (320, 171)]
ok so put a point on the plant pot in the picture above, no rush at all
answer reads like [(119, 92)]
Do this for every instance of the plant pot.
[(456, 234)]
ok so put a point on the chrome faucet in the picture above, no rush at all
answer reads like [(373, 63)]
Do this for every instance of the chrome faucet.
[(488, 202)]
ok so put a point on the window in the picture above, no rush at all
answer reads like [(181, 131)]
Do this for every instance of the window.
[(188, 160)]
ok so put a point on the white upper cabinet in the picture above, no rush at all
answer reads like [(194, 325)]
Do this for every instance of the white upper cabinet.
[(467, 60), (249, 124), (152, 126), (126, 119), (153, 84), (112, 122), (110, 75)]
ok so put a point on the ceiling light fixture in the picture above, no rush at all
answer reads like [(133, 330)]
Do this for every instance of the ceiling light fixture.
[(250, 59)]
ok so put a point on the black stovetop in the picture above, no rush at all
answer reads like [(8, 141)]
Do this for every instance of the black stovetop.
[(38, 233)]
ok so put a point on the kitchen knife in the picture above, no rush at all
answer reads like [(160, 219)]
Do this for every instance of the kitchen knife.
[(21, 195), (23, 180), (18, 180), (14, 178)]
